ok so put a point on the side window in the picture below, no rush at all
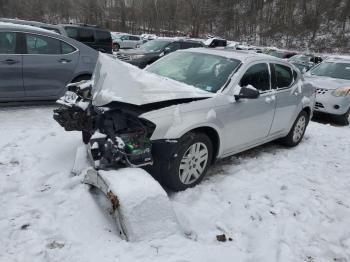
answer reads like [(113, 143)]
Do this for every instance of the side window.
[(7, 43), (134, 38), (125, 37), (257, 76), (86, 35), (284, 76), (66, 48), (103, 36), (72, 32), (37, 44), (174, 46)]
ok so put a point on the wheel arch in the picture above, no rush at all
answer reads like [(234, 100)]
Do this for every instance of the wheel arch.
[(213, 136)]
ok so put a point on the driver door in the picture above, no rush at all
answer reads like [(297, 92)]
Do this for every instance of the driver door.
[(248, 121)]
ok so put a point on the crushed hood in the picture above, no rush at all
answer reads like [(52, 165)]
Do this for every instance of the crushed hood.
[(326, 82), (117, 81)]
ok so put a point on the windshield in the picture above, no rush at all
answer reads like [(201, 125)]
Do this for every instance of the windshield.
[(300, 58), (276, 54), (155, 45), (207, 72), (334, 70)]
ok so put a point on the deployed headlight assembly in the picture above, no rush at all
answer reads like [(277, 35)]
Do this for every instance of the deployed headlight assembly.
[(343, 91)]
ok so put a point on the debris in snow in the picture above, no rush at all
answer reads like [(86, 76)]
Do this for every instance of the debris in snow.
[(54, 244), (25, 226), (223, 238)]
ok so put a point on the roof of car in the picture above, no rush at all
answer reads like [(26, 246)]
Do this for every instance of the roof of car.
[(241, 55), (95, 27), (341, 59), (5, 25)]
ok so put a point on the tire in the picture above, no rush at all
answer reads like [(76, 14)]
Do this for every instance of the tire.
[(81, 78), (116, 47), (184, 172), (344, 119), (297, 131), (86, 137)]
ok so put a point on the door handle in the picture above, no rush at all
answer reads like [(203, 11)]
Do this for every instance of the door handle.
[(10, 61), (64, 61)]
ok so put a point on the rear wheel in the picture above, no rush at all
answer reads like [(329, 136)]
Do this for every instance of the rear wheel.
[(191, 164), (297, 131), (116, 47)]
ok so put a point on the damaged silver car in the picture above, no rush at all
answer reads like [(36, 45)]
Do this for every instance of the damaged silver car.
[(190, 108)]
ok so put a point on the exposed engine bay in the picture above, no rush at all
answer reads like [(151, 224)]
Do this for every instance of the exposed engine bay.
[(116, 136)]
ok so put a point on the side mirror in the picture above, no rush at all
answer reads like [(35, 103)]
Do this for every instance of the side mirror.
[(248, 92), (167, 50)]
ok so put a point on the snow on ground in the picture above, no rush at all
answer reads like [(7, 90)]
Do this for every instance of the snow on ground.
[(276, 204)]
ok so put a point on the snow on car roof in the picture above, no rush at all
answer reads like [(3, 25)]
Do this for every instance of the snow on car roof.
[(236, 54), (24, 27)]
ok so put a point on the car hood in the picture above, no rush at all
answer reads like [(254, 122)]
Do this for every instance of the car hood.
[(326, 82), (117, 81)]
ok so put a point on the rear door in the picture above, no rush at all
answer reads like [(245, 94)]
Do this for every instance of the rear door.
[(48, 65), (11, 82), (288, 97)]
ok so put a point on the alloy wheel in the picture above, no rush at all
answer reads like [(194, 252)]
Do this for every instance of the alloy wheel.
[(193, 163), (299, 129)]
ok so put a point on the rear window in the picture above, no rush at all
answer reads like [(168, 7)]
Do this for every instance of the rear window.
[(103, 36)]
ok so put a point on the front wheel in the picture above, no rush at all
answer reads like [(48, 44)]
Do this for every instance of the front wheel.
[(191, 164), (344, 119), (297, 131)]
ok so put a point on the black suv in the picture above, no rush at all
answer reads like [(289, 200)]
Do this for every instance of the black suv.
[(93, 36), (155, 49)]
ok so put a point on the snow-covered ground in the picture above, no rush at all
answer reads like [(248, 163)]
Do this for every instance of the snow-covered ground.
[(276, 204)]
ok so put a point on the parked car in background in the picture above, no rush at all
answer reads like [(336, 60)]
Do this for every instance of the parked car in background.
[(91, 35), (283, 54), (185, 111), (332, 81), (55, 28), (305, 61), (37, 64), (215, 42), (126, 41), (155, 49)]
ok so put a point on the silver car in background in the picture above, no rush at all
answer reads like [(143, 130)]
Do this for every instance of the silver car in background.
[(37, 64), (186, 110), (125, 41), (331, 79)]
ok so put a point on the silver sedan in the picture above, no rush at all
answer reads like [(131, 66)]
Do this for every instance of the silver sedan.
[(187, 110), (332, 82)]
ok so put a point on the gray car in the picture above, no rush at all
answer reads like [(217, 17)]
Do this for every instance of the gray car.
[(331, 79), (37, 64), (187, 110)]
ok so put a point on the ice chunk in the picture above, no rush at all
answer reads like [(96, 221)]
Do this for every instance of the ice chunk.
[(141, 206)]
